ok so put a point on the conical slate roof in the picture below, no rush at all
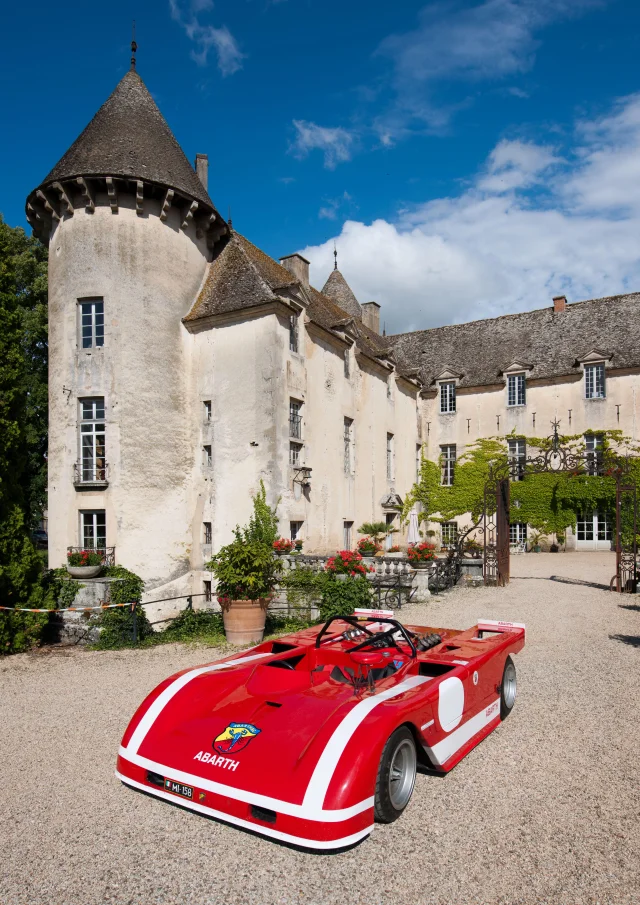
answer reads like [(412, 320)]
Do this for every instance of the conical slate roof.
[(129, 137), (339, 291)]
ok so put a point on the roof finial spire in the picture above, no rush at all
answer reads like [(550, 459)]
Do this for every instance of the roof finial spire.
[(134, 46), (335, 256), (229, 220)]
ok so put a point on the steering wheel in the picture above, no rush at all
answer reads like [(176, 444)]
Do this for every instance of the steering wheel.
[(386, 639), (350, 620)]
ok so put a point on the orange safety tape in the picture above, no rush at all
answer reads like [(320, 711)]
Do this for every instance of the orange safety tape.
[(66, 609)]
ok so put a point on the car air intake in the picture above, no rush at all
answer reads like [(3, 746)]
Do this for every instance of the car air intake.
[(263, 814), (156, 779)]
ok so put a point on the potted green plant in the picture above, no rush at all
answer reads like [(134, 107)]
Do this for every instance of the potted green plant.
[(246, 573), (473, 548), (368, 548), (347, 564), (421, 555), (84, 563), (282, 546), (534, 540)]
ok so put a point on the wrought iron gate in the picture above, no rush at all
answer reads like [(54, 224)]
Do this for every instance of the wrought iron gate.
[(626, 578), (561, 459)]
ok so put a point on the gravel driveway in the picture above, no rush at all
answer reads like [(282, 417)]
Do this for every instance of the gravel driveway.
[(546, 810)]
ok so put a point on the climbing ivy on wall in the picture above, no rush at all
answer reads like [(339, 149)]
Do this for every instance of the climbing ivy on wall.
[(549, 502)]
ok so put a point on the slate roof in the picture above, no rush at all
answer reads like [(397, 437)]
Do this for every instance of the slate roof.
[(129, 137), (551, 342), (243, 276), (338, 290)]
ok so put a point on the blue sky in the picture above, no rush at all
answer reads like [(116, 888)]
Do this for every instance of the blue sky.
[(469, 159)]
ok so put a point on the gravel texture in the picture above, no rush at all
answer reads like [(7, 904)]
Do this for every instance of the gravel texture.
[(545, 810)]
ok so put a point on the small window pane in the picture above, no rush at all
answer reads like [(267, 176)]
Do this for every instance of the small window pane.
[(92, 323), (516, 389), (447, 397), (448, 461)]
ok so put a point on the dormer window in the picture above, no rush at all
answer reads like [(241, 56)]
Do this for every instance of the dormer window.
[(448, 396), (516, 389), (594, 381)]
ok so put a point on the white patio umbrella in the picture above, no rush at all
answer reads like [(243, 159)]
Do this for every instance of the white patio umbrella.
[(412, 535)]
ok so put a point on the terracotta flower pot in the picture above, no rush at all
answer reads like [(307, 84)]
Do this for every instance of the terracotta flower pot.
[(244, 620), (84, 571)]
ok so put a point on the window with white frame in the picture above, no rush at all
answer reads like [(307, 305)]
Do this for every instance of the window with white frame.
[(593, 525), (207, 410), (448, 396), (418, 461), (93, 464), (348, 445), (595, 445), (207, 456), (295, 530), (518, 533), (594, 383), (206, 532), (295, 454), (295, 419), (516, 390), (93, 529), (449, 534), (390, 462), (206, 587), (91, 313), (347, 535), (517, 458), (447, 463), (293, 333)]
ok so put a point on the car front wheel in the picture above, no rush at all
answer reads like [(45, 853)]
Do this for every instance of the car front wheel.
[(396, 776)]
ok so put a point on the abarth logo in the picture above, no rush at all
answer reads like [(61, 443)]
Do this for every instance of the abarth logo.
[(235, 737)]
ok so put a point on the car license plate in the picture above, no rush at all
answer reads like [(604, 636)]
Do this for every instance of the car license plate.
[(178, 788)]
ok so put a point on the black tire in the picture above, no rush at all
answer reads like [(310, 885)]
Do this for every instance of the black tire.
[(399, 753), (508, 689)]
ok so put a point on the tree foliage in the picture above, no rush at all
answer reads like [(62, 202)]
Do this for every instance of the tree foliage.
[(549, 502), (23, 416)]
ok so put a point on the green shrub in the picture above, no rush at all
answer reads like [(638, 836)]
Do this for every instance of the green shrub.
[(193, 625), (117, 625), (341, 598)]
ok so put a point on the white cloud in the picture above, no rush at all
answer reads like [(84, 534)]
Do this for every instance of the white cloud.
[(516, 164), (465, 44), (532, 224), (336, 143), (207, 38), (332, 206)]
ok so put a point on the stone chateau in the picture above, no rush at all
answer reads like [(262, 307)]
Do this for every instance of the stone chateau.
[(186, 365)]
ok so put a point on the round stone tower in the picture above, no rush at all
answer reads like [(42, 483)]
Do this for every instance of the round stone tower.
[(130, 229)]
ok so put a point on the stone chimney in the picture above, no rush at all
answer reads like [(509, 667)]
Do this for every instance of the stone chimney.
[(371, 316), (202, 169), (559, 303), (298, 266)]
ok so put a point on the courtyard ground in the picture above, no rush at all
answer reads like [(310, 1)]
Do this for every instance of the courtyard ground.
[(546, 810)]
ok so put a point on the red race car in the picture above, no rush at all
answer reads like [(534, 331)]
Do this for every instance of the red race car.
[(310, 738)]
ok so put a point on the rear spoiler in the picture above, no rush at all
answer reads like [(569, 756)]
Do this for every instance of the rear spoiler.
[(491, 625)]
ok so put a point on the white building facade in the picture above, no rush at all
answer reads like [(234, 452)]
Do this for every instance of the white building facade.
[(186, 366)]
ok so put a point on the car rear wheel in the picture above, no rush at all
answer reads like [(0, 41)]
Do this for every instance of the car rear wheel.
[(508, 689), (396, 776)]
